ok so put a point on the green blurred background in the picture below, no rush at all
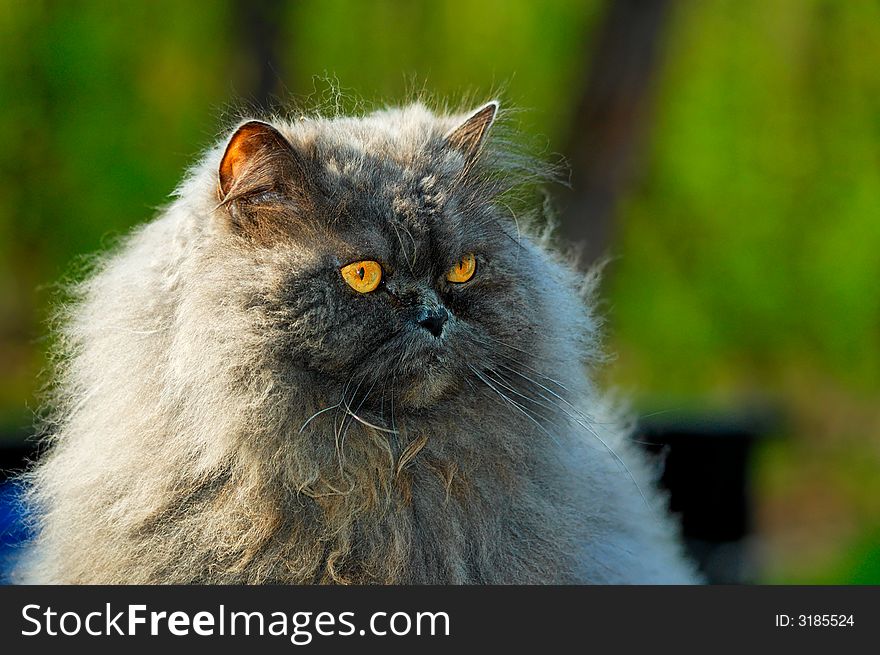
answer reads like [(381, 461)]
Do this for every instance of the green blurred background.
[(733, 165)]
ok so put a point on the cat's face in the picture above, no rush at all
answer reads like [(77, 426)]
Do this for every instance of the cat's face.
[(401, 281)]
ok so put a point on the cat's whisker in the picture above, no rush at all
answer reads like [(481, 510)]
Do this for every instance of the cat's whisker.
[(575, 414), (550, 407), (410, 264), (385, 389), (316, 414), (371, 425), (513, 404), (393, 391), (513, 360), (555, 398), (382, 399), (555, 395), (502, 381), (349, 412), (339, 427), (414, 243), (353, 414), (581, 419), (518, 232), (336, 406), (517, 362)]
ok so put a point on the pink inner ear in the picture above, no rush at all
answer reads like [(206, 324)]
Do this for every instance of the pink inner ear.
[(246, 143)]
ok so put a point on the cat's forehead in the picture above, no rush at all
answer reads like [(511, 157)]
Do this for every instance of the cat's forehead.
[(396, 207), (413, 190), (387, 174)]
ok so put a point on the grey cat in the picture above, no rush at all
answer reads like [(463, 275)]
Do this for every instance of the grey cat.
[(339, 357)]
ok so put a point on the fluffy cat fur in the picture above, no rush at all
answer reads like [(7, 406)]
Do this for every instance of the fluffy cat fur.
[(228, 410)]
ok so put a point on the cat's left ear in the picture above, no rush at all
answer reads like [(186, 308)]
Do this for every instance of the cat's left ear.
[(258, 159), (468, 137)]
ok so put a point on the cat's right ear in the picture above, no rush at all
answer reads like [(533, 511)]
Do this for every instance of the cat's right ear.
[(258, 160), (467, 138)]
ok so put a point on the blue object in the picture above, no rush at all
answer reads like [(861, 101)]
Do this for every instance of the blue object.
[(14, 532)]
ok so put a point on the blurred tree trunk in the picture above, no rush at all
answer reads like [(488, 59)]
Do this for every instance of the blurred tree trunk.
[(259, 24), (612, 119)]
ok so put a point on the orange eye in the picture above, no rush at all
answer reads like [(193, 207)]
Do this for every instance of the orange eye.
[(363, 276), (463, 270)]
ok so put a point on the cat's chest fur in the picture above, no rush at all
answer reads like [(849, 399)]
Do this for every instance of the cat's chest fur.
[(443, 513)]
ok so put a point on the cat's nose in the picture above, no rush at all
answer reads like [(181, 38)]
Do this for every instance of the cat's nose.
[(433, 319)]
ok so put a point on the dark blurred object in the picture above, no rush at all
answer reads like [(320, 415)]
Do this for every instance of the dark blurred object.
[(707, 467), (612, 118), (259, 27), (13, 529), (17, 447)]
